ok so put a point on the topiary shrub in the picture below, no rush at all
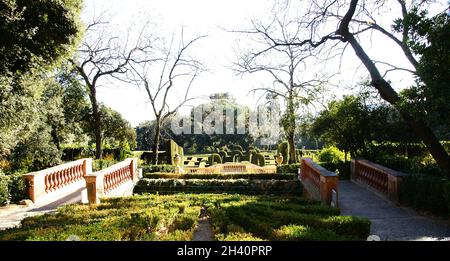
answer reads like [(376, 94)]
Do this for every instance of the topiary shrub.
[(331, 155), (258, 159), (237, 155), (223, 155), (215, 159), (237, 147), (283, 148)]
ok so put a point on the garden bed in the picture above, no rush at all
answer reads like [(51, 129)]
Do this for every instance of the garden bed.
[(174, 217)]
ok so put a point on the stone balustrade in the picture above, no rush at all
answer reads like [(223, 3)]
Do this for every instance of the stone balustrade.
[(117, 180), (233, 168), (319, 183), (378, 177), (53, 183)]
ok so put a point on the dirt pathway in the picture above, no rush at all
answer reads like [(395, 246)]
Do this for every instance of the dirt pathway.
[(203, 232)]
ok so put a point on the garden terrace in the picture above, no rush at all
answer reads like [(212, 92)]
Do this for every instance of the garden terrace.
[(174, 217)]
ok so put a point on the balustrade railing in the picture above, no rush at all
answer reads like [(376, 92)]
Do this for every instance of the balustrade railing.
[(378, 177), (233, 168), (50, 184), (104, 182), (319, 183)]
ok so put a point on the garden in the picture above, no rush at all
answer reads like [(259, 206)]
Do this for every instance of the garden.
[(174, 217), (78, 85)]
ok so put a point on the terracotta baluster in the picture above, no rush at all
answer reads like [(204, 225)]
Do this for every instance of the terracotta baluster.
[(47, 183)]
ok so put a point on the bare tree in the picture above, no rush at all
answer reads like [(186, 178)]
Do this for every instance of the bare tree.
[(286, 64), (102, 55), (329, 23), (166, 76)]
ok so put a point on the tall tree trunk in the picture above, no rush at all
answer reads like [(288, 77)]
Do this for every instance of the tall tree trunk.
[(290, 130), (390, 95), (95, 110), (156, 141), (55, 138), (97, 123), (292, 152)]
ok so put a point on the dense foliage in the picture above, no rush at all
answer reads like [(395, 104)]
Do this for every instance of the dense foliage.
[(426, 193), (428, 39)]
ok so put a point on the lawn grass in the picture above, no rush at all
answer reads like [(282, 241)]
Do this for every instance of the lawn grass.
[(174, 217)]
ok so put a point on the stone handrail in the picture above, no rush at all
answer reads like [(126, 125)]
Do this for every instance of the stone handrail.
[(49, 184), (381, 178), (262, 170), (103, 183), (318, 182), (208, 170), (232, 168)]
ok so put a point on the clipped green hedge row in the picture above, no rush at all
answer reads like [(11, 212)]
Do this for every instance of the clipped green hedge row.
[(288, 168), (287, 221), (341, 168), (242, 186), (288, 176), (426, 193), (158, 168)]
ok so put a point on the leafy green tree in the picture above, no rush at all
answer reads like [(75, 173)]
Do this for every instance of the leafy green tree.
[(36, 33), (35, 37), (343, 124), (117, 132), (429, 40), (353, 123)]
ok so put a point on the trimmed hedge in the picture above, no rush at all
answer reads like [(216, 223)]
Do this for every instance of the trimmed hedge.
[(158, 168), (426, 193), (215, 159), (241, 186), (258, 159), (341, 168), (288, 168), (288, 176), (283, 148), (280, 222)]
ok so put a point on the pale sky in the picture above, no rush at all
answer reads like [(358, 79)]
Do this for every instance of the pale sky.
[(208, 17)]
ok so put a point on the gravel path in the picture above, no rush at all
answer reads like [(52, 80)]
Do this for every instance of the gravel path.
[(203, 232), (389, 222), (12, 215)]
